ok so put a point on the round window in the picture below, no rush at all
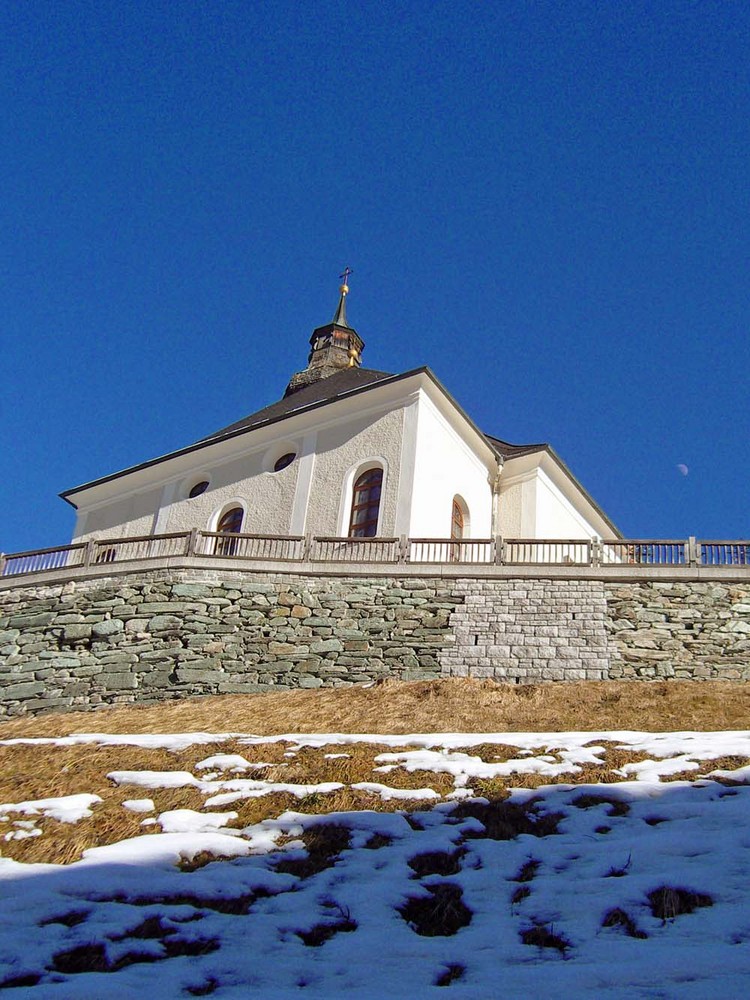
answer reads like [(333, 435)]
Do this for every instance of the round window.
[(199, 488), (281, 463)]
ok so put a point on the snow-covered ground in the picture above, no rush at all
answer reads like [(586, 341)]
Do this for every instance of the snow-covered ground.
[(588, 895)]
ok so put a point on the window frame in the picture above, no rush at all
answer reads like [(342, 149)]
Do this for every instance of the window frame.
[(227, 546), (459, 505), (361, 485), (191, 494), (353, 472)]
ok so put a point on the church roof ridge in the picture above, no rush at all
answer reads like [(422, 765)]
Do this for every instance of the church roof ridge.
[(324, 390), (345, 383)]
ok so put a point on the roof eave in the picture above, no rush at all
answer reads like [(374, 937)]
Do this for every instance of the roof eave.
[(607, 520)]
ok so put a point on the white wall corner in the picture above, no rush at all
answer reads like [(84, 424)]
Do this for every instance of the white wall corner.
[(528, 508), (410, 424), (82, 517), (568, 510)]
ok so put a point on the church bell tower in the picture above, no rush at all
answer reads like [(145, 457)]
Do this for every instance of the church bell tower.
[(332, 347)]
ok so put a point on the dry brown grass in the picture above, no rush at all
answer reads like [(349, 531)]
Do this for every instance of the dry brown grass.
[(29, 772), (454, 704), (45, 771), (42, 771)]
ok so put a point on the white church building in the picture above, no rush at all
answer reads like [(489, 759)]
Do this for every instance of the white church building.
[(347, 452)]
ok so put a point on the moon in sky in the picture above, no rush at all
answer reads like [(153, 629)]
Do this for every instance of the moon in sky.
[(683, 469)]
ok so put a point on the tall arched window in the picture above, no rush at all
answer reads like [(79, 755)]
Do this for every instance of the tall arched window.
[(459, 525), (363, 522), (457, 521), (230, 523)]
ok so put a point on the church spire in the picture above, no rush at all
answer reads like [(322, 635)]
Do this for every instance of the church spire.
[(332, 347), (339, 318)]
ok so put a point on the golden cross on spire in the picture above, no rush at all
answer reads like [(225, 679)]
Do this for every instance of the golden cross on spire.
[(344, 289)]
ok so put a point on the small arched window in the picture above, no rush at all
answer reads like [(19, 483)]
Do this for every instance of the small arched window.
[(363, 522), (230, 523)]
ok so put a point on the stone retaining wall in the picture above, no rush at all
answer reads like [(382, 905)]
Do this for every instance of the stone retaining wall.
[(530, 630), (163, 635), (168, 634), (684, 630)]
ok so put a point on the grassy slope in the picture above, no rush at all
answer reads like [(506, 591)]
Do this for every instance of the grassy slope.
[(455, 705), (42, 771)]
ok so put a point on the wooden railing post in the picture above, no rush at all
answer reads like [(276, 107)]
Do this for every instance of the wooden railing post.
[(88, 555), (499, 553), (3, 562), (596, 552), (192, 542), (403, 549), (307, 544), (693, 552)]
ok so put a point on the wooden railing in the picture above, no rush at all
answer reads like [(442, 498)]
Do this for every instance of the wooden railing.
[(376, 549), (649, 553), (282, 547), (616, 553), (38, 560)]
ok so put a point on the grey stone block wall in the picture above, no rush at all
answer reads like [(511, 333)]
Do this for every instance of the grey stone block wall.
[(165, 635), (169, 634), (689, 631), (529, 631)]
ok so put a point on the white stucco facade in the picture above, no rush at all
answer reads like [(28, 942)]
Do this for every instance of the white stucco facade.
[(539, 499), (447, 467)]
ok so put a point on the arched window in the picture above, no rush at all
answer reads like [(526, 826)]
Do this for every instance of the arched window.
[(459, 528), (363, 522), (457, 521), (230, 523)]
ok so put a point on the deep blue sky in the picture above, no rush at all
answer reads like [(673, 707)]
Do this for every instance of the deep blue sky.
[(547, 203)]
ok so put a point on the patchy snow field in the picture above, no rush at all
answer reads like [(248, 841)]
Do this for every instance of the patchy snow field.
[(634, 885)]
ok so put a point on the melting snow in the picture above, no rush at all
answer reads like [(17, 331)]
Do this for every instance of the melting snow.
[(162, 930), (65, 809)]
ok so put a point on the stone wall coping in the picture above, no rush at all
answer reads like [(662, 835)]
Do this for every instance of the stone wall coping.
[(235, 566)]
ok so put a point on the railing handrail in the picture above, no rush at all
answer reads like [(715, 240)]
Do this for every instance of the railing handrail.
[(244, 534), (731, 553), (137, 538), (457, 541), (383, 539), (724, 541), (44, 552), (644, 541)]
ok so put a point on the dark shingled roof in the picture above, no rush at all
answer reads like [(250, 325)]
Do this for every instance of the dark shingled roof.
[(508, 450), (323, 391)]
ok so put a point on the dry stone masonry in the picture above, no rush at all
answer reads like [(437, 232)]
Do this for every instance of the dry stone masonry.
[(163, 635), (683, 630), (169, 633)]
